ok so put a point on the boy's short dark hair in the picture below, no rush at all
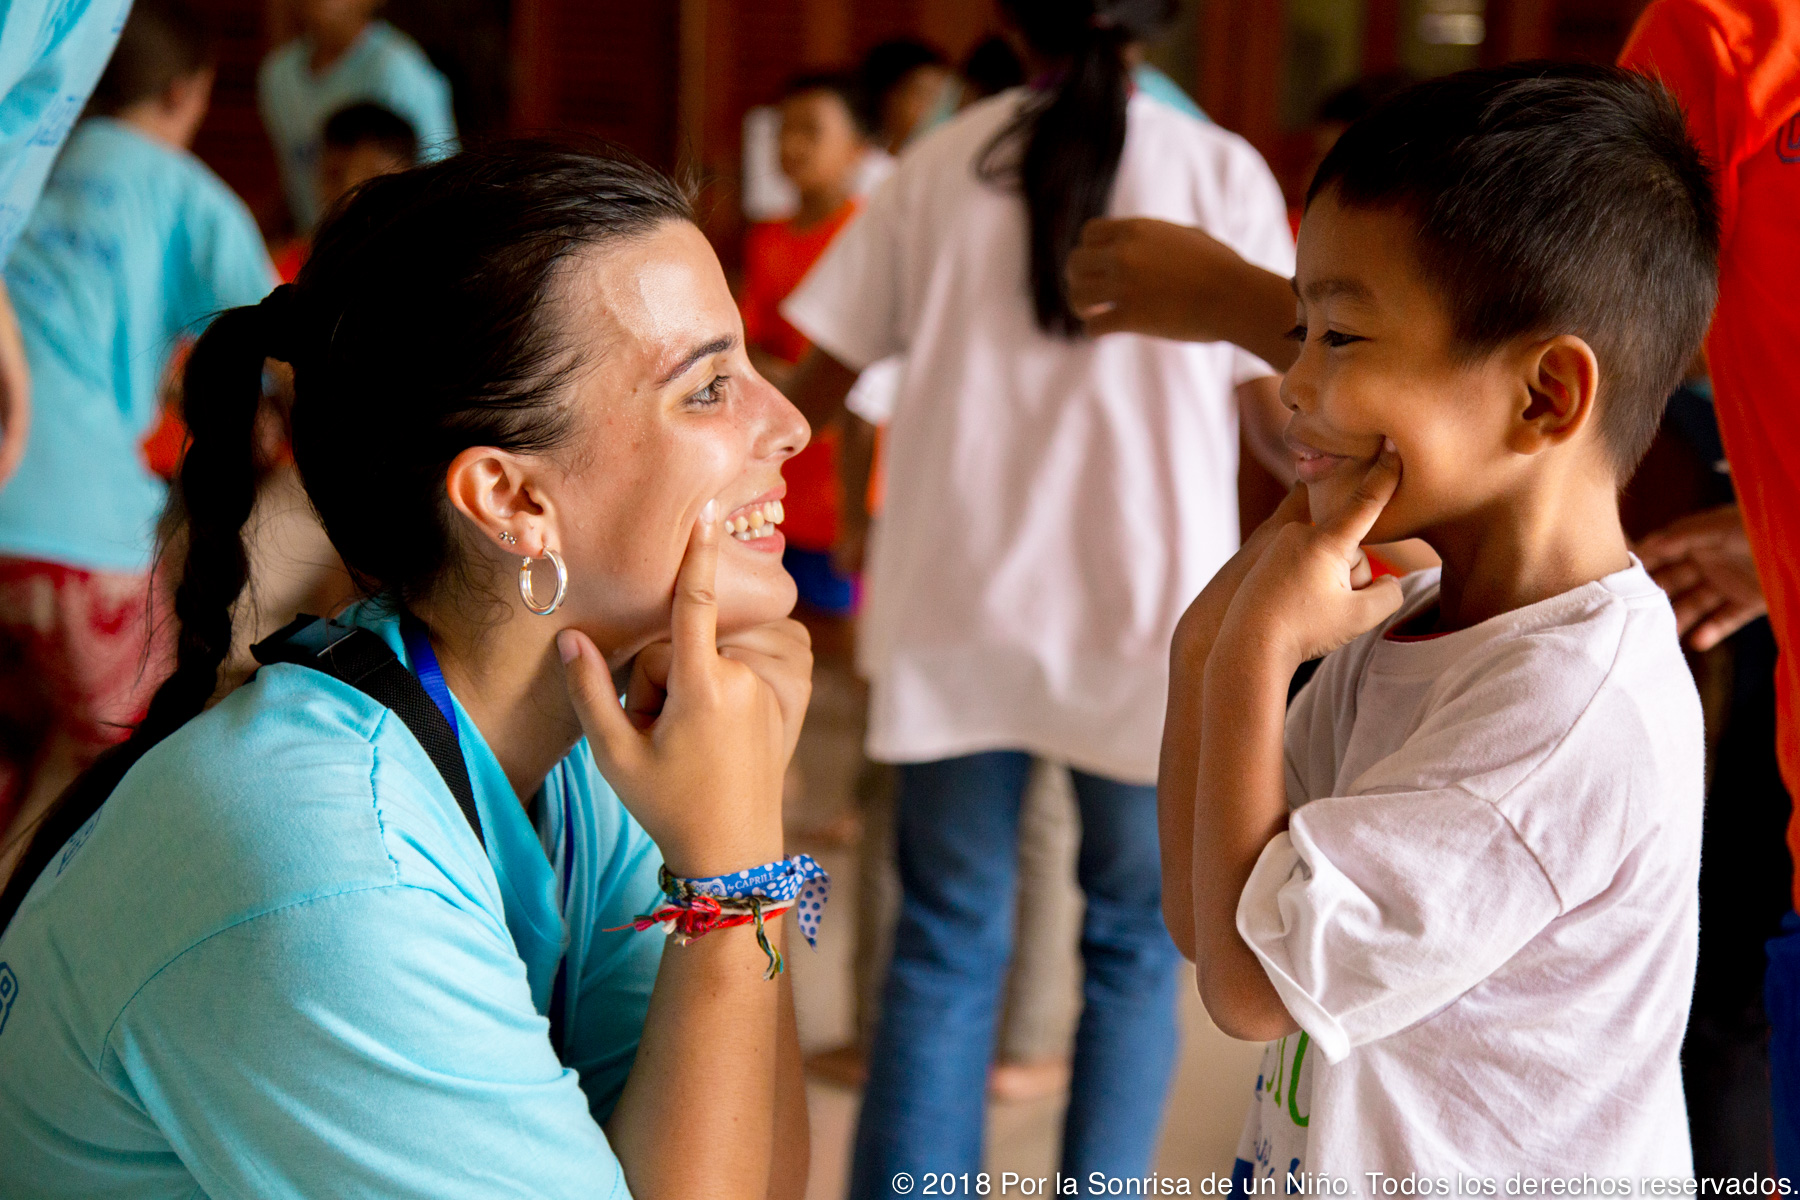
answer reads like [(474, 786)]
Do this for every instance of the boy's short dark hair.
[(845, 86), (367, 123), (1552, 198), (992, 67), (163, 40), (885, 66)]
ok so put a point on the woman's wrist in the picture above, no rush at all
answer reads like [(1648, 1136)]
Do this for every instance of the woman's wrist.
[(715, 853)]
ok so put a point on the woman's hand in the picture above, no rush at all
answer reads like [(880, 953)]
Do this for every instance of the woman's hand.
[(699, 753)]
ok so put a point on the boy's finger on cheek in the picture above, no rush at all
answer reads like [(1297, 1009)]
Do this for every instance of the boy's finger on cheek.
[(1296, 505), (1366, 503)]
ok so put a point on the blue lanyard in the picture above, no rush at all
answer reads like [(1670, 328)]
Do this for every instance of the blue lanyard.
[(425, 666), (431, 677)]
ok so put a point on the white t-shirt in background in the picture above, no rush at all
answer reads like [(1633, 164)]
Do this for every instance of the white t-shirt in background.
[(1484, 912), (1052, 504)]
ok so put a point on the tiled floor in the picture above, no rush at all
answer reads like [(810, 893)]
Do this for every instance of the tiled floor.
[(1213, 1081)]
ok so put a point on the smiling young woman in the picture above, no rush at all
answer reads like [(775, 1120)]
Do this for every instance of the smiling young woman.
[(259, 951)]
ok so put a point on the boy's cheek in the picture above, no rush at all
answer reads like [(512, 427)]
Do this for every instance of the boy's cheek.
[(1394, 525)]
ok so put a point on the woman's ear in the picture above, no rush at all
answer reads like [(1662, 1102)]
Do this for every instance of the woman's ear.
[(1562, 380), (500, 494)]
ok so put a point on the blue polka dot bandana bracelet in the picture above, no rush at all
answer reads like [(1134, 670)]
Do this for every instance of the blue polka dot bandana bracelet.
[(696, 907)]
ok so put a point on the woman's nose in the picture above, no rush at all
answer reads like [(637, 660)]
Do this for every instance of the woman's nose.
[(784, 431)]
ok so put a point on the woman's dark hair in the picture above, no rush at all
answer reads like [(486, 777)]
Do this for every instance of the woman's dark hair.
[(422, 325), (1551, 198), (1073, 132), (163, 40)]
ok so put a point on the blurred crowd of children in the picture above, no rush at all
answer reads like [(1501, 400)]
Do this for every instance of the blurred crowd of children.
[(132, 247)]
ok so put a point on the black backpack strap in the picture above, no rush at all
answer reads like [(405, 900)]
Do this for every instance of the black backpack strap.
[(365, 662)]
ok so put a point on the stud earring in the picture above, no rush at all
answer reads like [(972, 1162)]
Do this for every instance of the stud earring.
[(508, 538), (562, 583)]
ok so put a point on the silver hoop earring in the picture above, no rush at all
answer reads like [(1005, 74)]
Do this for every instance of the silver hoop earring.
[(562, 583)]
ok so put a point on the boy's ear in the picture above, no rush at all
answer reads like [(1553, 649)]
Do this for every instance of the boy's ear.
[(1562, 379)]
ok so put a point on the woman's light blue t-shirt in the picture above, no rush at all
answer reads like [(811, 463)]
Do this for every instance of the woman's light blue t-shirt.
[(134, 245), (277, 964), (51, 56), (383, 66)]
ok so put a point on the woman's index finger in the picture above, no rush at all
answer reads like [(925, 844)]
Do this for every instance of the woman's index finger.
[(694, 619)]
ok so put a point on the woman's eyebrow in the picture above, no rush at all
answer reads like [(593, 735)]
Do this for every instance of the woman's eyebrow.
[(717, 346)]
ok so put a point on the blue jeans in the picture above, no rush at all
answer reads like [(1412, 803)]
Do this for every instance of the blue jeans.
[(1781, 997), (958, 843)]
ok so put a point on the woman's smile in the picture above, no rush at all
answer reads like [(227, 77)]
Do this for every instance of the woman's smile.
[(757, 524)]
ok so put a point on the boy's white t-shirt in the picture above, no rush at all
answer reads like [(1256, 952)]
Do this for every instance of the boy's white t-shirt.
[(1484, 913), (1052, 504)]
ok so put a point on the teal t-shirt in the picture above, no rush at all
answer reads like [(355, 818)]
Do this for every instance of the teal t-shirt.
[(51, 56), (134, 244), (277, 964), (383, 66)]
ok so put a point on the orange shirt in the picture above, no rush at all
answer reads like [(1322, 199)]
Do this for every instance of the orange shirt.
[(777, 256), (1735, 66)]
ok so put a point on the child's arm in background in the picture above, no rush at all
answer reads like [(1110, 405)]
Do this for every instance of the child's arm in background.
[(855, 466), (1306, 594)]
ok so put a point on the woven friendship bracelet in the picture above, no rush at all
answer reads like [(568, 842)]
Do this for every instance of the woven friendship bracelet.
[(698, 906)]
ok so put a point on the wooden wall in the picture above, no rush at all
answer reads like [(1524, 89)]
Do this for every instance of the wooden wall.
[(232, 141), (1243, 48), (671, 79)]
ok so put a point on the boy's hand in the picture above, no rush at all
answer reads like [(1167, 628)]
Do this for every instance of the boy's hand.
[(1310, 591), (1199, 625)]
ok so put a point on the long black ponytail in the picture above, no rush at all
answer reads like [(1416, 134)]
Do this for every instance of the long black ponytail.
[(1073, 134), (419, 327)]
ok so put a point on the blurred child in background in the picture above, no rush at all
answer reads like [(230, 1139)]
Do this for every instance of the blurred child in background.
[(822, 143), (360, 141), (133, 244), (48, 65), (908, 88), (344, 55), (991, 67)]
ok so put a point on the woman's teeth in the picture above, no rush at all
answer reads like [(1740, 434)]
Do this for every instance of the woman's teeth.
[(748, 524)]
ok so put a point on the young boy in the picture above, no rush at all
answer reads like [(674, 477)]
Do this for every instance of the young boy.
[(822, 145), (342, 56), (134, 244), (1462, 867), (360, 141)]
